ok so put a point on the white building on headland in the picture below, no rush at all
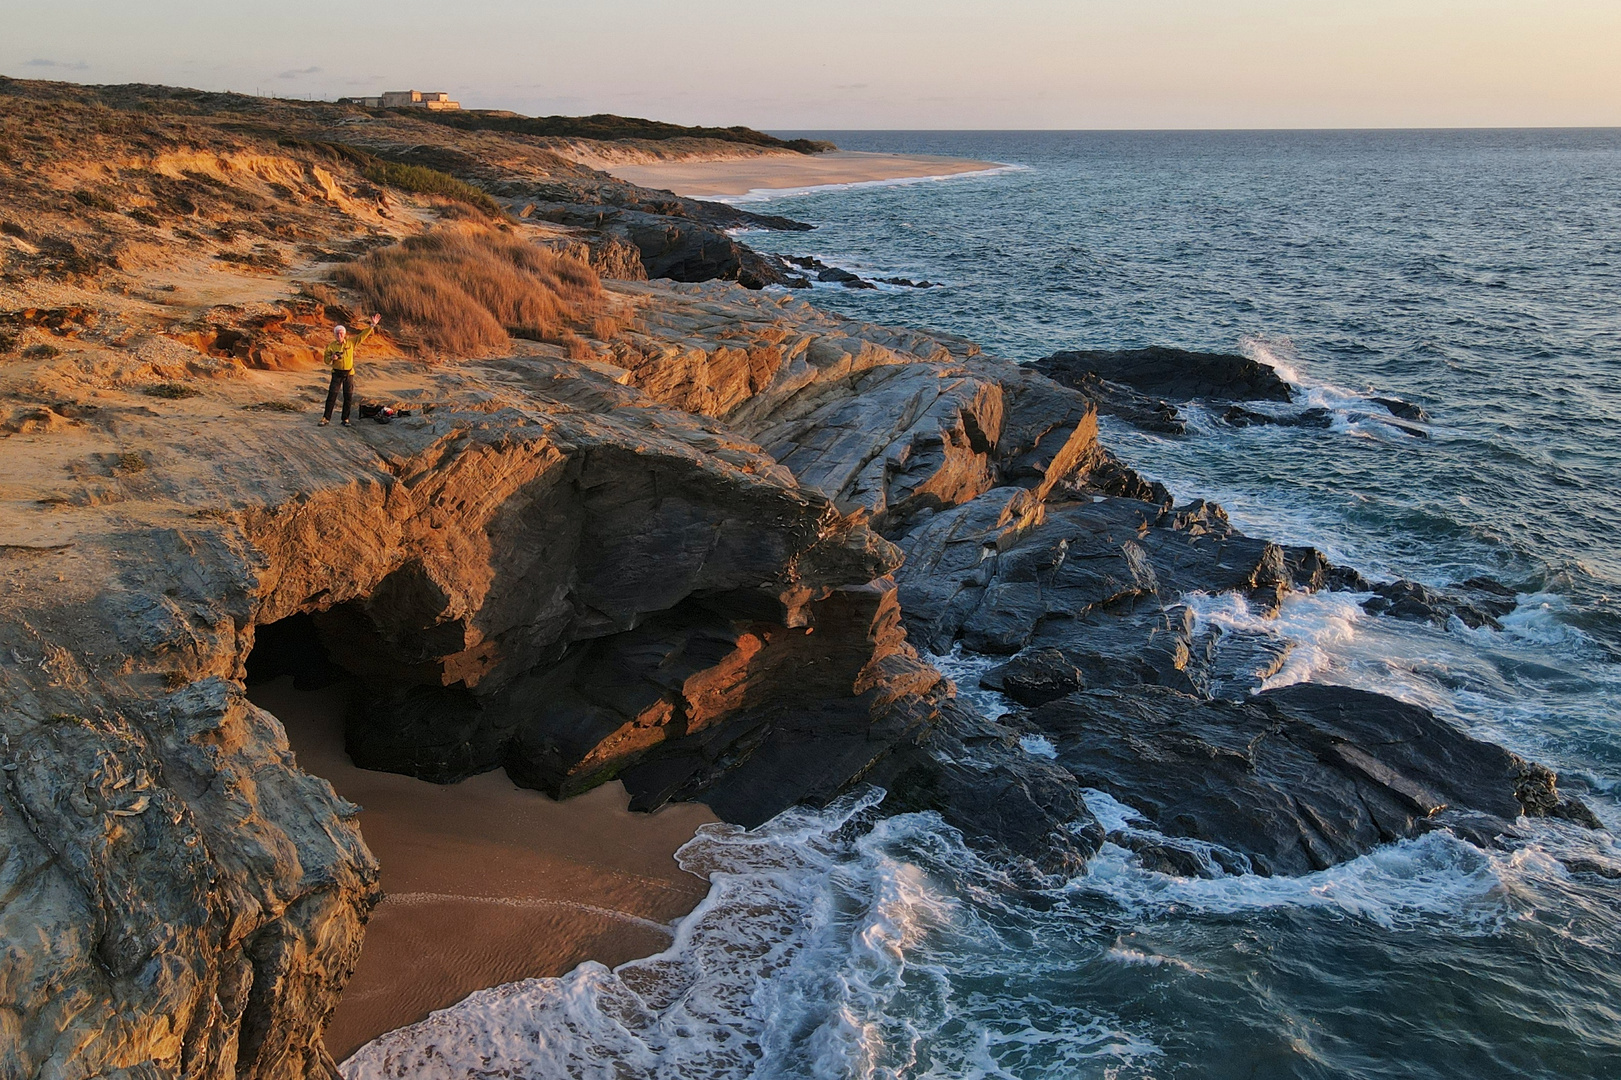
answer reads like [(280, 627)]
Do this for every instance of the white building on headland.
[(405, 99)]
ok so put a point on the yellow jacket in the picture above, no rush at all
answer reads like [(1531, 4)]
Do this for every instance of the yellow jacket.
[(341, 354)]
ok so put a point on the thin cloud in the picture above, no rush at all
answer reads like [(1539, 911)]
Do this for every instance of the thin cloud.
[(297, 73), (63, 64)]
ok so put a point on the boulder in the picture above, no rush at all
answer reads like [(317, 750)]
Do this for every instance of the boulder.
[(1404, 409), (1238, 416), (1176, 374), (1035, 677), (1018, 808), (1100, 579), (1141, 411), (1476, 603), (845, 278)]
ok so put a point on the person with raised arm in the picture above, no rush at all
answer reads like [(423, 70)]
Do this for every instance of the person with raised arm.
[(340, 356)]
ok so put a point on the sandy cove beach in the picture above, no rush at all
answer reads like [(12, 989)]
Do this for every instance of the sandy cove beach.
[(739, 176), (487, 882)]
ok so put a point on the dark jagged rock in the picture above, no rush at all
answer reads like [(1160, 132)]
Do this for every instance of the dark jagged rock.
[(1238, 416), (1477, 602), (1176, 374), (1099, 579), (673, 247), (972, 772), (1292, 780), (1593, 866), (1404, 409), (1035, 677), (1118, 400), (845, 278), (1405, 429)]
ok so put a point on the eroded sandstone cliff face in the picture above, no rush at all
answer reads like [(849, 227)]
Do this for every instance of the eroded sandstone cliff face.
[(546, 567), (698, 553)]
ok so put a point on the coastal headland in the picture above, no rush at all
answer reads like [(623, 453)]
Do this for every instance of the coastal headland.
[(644, 541)]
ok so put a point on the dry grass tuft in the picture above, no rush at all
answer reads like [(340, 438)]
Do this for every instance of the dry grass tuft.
[(464, 292), (172, 390), (577, 347)]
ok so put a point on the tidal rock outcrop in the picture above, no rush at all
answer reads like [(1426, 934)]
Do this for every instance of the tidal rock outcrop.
[(1476, 603), (894, 423), (673, 246), (1166, 712), (1291, 780), (1238, 416), (1176, 374), (1100, 581)]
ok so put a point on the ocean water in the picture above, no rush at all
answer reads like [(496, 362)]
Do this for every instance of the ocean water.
[(1477, 274)]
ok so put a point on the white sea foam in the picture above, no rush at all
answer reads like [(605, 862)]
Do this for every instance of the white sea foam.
[(964, 669), (1353, 413), (1276, 352), (1112, 814), (810, 957), (1120, 954), (1403, 885), (1539, 619), (1038, 746), (1320, 626)]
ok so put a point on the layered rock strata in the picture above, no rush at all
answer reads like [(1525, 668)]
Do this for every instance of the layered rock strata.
[(545, 567), (698, 557)]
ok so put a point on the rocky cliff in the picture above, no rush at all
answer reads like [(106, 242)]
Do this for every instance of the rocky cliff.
[(696, 552), (575, 570)]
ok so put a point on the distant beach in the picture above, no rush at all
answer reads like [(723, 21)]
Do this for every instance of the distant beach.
[(788, 172)]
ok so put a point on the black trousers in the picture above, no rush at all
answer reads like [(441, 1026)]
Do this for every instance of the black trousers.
[(345, 379)]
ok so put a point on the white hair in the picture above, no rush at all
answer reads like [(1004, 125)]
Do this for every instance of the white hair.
[(340, 329)]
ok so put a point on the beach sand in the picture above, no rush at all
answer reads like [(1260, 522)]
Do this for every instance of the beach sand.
[(487, 882), (739, 176)]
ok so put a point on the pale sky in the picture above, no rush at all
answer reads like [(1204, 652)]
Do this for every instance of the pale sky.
[(840, 64)]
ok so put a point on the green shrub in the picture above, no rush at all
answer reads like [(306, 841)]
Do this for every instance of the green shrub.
[(425, 181), (172, 390)]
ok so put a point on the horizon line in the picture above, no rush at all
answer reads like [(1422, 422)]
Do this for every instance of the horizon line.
[(1184, 130), (772, 130)]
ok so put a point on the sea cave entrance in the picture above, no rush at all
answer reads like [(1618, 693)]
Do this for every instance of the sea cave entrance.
[(485, 882)]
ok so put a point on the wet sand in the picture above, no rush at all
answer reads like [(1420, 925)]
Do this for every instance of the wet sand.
[(778, 172), (486, 882)]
